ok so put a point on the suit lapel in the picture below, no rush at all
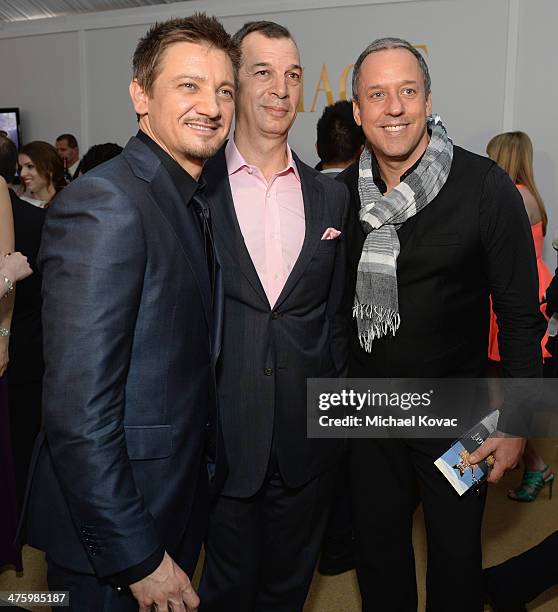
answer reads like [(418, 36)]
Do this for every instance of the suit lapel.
[(312, 195), (218, 310), (225, 221), (181, 219)]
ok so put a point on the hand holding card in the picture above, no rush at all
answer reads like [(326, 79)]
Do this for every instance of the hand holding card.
[(455, 463)]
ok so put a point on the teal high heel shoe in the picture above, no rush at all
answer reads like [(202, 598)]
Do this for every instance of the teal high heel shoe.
[(531, 485)]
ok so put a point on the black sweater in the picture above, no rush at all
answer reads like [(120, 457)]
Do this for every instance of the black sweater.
[(472, 241)]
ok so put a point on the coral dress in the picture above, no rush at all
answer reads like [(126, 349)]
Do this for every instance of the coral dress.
[(545, 276)]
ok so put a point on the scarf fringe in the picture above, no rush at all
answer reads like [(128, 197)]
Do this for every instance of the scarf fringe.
[(379, 322), (376, 302)]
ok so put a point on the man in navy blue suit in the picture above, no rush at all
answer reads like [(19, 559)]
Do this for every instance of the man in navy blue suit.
[(119, 494)]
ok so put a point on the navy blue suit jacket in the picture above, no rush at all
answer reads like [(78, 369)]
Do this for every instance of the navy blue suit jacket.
[(130, 348)]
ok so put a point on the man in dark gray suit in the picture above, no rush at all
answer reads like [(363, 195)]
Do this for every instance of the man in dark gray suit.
[(119, 493), (279, 234)]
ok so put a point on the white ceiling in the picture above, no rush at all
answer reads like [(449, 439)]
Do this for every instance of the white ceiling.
[(21, 10)]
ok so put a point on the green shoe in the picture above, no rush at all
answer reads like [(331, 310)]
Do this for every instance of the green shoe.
[(531, 485)]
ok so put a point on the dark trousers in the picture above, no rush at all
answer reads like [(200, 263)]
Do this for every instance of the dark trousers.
[(521, 579), (87, 592), (338, 543), (25, 422), (261, 551), (389, 479)]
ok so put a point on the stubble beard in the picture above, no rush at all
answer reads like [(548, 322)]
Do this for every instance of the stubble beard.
[(202, 152)]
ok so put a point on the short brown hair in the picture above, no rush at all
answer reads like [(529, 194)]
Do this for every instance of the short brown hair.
[(199, 28), (269, 29), (70, 139)]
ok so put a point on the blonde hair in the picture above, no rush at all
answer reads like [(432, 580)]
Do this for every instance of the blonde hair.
[(513, 151)]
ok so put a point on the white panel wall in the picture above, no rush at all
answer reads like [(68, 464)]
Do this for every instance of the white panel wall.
[(536, 97), (109, 61), (40, 75), (491, 65)]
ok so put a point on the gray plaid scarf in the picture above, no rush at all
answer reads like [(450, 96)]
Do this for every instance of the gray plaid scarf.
[(376, 306)]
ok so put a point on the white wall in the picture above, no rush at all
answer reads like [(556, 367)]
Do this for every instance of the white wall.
[(536, 101), (39, 74), (490, 64)]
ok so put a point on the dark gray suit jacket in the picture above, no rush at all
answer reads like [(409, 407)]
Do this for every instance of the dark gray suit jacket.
[(267, 354), (129, 385)]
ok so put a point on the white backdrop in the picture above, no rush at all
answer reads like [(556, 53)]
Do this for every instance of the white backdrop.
[(492, 68)]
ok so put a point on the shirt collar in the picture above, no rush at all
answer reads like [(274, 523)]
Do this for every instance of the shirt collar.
[(235, 160), (377, 177), (331, 170), (187, 186), (73, 167)]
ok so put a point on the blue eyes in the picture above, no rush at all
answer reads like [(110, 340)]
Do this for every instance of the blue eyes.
[(193, 87)]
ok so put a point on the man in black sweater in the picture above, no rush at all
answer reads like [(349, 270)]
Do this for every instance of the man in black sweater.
[(436, 230)]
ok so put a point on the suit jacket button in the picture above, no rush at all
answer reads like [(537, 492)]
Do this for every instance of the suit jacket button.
[(268, 371), (274, 315)]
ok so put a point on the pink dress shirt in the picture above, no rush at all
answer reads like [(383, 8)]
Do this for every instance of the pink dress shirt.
[(271, 217)]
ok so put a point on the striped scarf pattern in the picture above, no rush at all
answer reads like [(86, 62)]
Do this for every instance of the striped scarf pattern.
[(376, 305)]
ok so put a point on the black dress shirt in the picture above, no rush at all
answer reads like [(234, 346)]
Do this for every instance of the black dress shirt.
[(379, 181), (187, 186), (191, 192)]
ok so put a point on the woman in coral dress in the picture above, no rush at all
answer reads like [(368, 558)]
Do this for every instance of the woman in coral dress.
[(513, 151)]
